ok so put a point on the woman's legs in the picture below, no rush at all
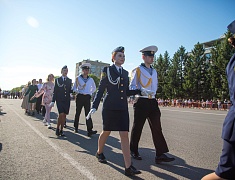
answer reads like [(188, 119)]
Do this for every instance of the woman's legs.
[(47, 115), (125, 145), (102, 140)]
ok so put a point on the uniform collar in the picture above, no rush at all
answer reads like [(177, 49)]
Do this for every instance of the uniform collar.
[(142, 64)]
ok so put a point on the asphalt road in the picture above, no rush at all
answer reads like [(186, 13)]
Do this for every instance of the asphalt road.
[(28, 150)]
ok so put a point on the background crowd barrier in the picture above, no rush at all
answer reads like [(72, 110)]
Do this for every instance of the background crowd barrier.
[(199, 105)]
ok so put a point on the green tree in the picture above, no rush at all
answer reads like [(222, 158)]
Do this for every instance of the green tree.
[(161, 64), (199, 70), (221, 54), (176, 73), (96, 79)]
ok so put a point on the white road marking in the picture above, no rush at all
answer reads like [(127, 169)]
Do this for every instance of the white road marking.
[(194, 112), (74, 163)]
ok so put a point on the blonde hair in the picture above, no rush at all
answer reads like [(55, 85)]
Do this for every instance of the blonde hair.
[(49, 76)]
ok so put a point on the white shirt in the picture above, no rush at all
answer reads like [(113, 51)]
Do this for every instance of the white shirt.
[(144, 77), (117, 67), (39, 86), (81, 87)]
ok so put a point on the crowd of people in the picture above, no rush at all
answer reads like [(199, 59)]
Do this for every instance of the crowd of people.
[(115, 85), (191, 103)]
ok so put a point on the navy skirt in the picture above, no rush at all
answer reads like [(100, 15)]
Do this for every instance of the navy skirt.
[(115, 120), (63, 107), (226, 167)]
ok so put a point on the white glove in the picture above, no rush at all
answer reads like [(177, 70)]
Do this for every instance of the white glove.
[(146, 92), (51, 104), (76, 91), (92, 111)]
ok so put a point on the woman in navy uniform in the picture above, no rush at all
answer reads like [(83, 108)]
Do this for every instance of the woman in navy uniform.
[(61, 95), (115, 113), (226, 166)]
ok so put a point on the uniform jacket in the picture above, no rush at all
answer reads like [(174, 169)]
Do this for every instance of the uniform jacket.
[(62, 90), (228, 132), (82, 87), (116, 95), (144, 78)]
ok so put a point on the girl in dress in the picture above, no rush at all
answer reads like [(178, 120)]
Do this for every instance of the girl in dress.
[(47, 91)]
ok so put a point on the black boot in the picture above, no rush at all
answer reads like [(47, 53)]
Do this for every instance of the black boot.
[(89, 133), (57, 132), (131, 171)]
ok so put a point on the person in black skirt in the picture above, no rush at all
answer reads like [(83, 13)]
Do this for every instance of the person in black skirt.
[(61, 95), (115, 113)]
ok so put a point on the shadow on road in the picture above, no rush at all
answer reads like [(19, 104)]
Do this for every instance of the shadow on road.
[(179, 166), (1, 113), (0, 147)]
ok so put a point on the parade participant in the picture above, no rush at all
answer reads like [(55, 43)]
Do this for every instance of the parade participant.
[(39, 99), (226, 166), (115, 113), (25, 102), (146, 107), (47, 93), (84, 86), (61, 95), (31, 91)]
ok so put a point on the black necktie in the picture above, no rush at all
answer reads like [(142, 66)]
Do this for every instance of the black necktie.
[(120, 71)]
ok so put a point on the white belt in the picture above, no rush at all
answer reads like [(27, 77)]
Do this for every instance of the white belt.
[(148, 97)]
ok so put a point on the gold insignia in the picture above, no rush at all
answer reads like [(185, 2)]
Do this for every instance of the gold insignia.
[(152, 52), (103, 75)]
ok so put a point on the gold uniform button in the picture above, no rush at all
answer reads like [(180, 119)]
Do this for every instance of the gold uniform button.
[(64, 89), (65, 92), (121, 78), (121, 90), (121, 97), (65, 95), (121, 84)]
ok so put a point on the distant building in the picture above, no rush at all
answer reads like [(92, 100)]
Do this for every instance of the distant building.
[(96, 67), (210, 44)]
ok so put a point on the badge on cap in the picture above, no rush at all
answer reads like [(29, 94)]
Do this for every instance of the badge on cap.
[(119, 49)]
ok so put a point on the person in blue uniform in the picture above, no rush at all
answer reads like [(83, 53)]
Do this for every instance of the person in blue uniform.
[(146, 107), (61, 95), (115, 113), (84, 86), (226, 166)]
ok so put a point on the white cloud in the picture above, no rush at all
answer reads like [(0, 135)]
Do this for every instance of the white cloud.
[(32, 22)]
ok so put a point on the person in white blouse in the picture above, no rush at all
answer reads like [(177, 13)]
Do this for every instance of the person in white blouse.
[(84, 87)]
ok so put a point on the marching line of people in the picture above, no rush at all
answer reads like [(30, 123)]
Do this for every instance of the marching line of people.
[(115, 84)]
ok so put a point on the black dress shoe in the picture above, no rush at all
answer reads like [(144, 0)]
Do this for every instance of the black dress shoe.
[(131, 171), (163, 158), (101, 158), (91, 132), (76, 130), (62, 133), (136, 155), (57, 132)]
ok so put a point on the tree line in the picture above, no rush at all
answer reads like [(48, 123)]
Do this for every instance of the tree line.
[(195, 75)]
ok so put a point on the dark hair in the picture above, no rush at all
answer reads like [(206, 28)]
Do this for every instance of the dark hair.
[(33, 80)]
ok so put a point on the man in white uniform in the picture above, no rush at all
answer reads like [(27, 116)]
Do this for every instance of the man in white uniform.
[(84, 86), (144, 77)]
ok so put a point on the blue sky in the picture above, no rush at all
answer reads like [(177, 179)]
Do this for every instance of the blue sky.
[(38, 37)]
